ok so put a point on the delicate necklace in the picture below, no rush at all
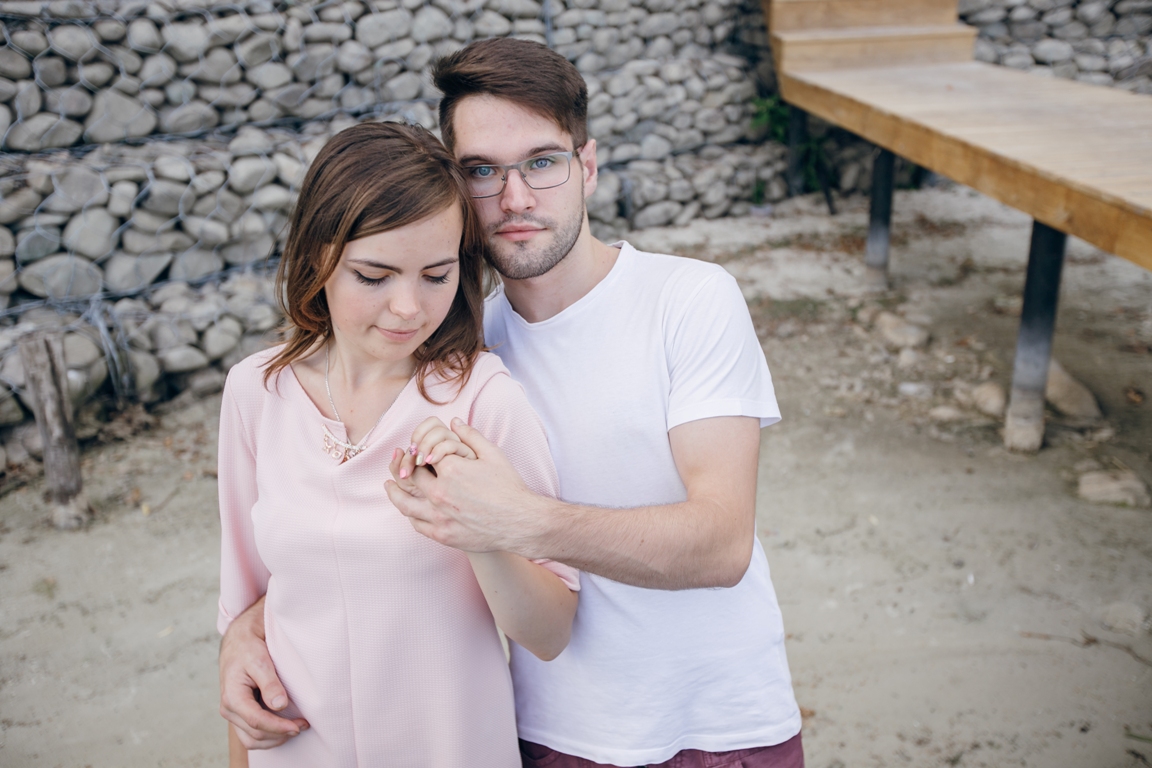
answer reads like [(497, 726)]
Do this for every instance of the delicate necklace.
[(334, 446)]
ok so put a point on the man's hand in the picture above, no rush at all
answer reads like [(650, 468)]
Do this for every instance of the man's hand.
[(501, 512), (245, 670)]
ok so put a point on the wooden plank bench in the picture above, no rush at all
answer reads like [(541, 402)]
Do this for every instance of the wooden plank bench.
[(1076, 158)]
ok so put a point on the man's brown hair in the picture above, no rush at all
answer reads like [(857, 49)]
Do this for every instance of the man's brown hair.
[(521, 71), (372, 178)]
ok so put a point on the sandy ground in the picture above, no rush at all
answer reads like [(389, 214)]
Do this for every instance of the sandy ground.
[(937, 590)]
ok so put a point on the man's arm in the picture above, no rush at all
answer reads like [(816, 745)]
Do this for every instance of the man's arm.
[(246, 667), (706, 541)]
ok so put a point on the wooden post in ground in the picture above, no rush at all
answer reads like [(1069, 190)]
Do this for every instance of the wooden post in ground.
[(47, 380), (797, 136)]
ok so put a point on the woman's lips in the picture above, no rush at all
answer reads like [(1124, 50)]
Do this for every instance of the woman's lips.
[(398, 335)]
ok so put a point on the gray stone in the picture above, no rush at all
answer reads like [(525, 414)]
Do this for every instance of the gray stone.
[(75, 187), (62, 276), (519, 9), (147, 221), (918, 390), (145, 373), (1051, 51), (654, 147), (248, 252), (218, 340), (217, 67), (68, 102), (205, 382), (248, 173), (403, 87), (168, 197), (659, 24), (898, 332), (80, 351), (173, 168), (206, 231), (430, 24), (28, 101), (288, 169), (376, 29), (30, 41), (110, 30), (115, 117), (271, 74), (143, 36), (127, 273), (185, 41), (329, 32), (1069, 396), (182, 359), (14, 65), (195, 264), (43, 131), (7, 243), (91, 233), (657, 214), (1125, 618), (258, 49), (72, 41), (10, 412), (193, 117), (492, 24), (35, 244), (50, 71), (260, 317), (353, 56), (157, 70), (137, 242), (272, 197), (5, 119), (1122, 487), (313, 63), (18, 205)]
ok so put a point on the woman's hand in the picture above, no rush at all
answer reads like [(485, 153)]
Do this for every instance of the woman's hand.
[(431, 442)]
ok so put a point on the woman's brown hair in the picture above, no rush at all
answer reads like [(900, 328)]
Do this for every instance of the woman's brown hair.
[(372, 178)]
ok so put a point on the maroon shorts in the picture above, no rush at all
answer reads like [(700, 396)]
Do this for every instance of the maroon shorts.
[(790, 754)]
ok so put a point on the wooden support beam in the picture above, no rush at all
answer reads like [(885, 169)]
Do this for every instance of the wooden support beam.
[(1024, 425), (880, 221), (46, 375), (797, 137)]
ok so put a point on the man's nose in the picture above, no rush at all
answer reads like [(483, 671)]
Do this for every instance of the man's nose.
[(517, 195)]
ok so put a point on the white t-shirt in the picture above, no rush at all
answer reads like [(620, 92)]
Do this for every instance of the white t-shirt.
[(659, 342)]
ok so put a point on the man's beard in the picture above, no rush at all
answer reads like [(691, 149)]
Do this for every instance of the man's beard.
[(520, 261)]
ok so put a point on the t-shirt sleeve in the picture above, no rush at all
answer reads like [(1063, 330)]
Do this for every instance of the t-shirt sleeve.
[(243, 575), (716, 364), (502, 414)]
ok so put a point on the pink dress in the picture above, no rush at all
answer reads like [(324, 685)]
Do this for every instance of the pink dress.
[(381, 636)]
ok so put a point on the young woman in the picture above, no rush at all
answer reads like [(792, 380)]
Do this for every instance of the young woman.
[(385, 640)]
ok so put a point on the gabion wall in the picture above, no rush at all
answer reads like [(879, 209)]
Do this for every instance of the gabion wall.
[(151, 150)]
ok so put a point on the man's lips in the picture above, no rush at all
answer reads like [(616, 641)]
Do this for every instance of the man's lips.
[(518, 231)]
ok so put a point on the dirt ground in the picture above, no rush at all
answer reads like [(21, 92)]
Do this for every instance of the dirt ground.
[(943, 598)]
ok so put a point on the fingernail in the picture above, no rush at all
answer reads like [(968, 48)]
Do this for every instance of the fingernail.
[(412, 449), (457, 421), (305, 727), (403, 474), (419, 459), (279, 702)]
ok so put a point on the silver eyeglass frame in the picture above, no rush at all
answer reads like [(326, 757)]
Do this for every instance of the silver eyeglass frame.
[(521, 168)]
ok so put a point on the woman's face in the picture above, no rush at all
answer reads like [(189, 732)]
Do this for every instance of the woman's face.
[(390, 291)]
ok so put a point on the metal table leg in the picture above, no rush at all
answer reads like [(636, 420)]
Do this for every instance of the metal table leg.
[(1024, 426), (880, 221)]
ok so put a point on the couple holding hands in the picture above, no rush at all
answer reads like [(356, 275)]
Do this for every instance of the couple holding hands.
[(571, 459)]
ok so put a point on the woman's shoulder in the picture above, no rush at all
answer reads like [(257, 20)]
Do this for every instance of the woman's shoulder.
[(247, 376)]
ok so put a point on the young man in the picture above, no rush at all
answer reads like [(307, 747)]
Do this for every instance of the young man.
[(653, 388)]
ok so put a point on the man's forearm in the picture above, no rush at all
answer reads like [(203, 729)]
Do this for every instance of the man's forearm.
[(690, 545)]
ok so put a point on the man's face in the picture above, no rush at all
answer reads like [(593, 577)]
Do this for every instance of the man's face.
[(529, 230)]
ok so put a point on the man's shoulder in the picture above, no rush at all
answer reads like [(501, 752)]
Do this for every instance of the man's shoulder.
[(680, 281)]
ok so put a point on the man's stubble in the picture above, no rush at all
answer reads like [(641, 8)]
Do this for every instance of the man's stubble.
[(521, 261)]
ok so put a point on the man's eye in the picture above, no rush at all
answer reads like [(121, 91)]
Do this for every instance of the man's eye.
[(540, 163), (482, 171)]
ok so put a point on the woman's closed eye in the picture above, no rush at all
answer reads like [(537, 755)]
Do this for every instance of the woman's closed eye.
[(439, 279), (369, 280)]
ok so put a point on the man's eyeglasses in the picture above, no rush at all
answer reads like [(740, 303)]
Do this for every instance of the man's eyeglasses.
[(540, 172)]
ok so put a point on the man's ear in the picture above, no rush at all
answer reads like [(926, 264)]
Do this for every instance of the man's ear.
[(588, 167)]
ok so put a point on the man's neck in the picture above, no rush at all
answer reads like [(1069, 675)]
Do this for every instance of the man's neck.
[(539, 298)]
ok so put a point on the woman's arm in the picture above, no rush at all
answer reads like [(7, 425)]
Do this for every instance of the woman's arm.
[(529, 602)]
